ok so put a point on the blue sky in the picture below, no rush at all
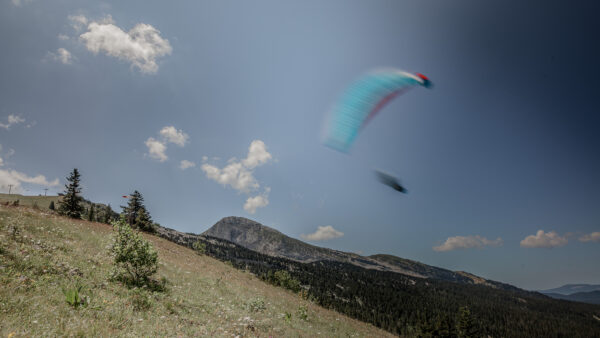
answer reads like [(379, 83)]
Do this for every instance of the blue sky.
[(505, 144)]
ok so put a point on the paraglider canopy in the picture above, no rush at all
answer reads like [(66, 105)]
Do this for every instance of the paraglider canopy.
[(362, 100)]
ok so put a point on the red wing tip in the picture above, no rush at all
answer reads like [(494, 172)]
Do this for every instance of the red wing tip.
[(422, 76)]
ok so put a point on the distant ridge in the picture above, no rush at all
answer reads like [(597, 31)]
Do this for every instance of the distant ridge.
[(258, 237), (585, 293), (592, 297), (569, 289)]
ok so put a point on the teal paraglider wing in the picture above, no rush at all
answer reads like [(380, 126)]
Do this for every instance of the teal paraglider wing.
[(362, 100)]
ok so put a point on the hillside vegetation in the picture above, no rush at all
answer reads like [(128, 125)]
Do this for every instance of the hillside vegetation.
[(411, 306), (44, 257)]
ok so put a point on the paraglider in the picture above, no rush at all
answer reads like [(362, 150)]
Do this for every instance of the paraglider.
[(390, 181), (360, 103), (362, 100)]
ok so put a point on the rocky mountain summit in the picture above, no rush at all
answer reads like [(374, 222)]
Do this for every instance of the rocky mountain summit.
[(258, 237)]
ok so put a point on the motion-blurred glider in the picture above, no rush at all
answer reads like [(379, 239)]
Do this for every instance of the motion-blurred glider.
[(362, 100), (390, 181)]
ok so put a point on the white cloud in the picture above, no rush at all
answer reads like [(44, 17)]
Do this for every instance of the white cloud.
[(1, 162), (62, 55), (63, 37), (186, 164), (467, 242), (234, 174), (257, 155), (156, 149), (239, 174), (593, 237), (544, 240), (258, 201), (78, 22), (323, 233), (141, 46), (172, 135), (12, 120), (15, 178)]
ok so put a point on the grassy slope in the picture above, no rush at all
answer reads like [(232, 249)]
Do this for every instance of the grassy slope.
[(43, 202), (205, 296)]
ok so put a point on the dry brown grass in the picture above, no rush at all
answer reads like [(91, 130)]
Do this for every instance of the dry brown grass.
[(205, 297)]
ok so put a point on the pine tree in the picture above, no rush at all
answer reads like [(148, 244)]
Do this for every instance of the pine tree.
[(136, 214), (69, 205), (51, 207), (91, 215), (465, 326), (107, 214)]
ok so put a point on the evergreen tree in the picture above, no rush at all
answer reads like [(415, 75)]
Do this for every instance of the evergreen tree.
[(107, 214), (91, 216), (465, 326), (51, 207), (135, 213), (69, 205)]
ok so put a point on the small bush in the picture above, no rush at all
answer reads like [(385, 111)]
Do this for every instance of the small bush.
[(257, 305), (15, 203), (135, 259), (141, 300), (284, 279), (303, 312), (199, 247)]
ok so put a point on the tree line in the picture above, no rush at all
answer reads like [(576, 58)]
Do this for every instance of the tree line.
[(72, 205)]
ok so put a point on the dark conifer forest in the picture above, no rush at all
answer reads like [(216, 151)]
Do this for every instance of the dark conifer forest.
[(411, 306)]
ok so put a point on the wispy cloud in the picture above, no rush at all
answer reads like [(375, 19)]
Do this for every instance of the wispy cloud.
[(79, 22), (544, 240), (592, 237), (19, 2), (185, 164), (12, 120), (323, 233), (467, 242), (141, 46), (62, 55), (240, 174)]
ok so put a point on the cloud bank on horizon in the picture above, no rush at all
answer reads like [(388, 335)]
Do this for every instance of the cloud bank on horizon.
[(592, 237), (467, 242), (15, 179), (323, 233), (544, 240)]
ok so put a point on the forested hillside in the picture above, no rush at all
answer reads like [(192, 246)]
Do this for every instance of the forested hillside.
[(406, 305)]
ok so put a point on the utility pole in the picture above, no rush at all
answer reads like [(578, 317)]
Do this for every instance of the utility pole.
[(9, 188), (45, 191)]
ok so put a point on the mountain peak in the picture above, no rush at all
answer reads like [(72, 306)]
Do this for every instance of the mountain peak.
[(257, 237)]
